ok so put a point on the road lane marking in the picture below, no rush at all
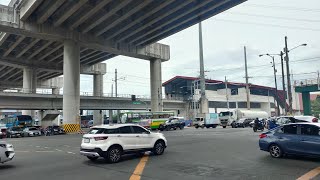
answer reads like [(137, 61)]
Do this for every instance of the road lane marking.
[(21, 151), (139, 168), (44, 151), (58, 150), (311, 174)]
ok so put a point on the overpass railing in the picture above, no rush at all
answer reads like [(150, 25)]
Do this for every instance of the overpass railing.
[(82, 93), (308, 82)]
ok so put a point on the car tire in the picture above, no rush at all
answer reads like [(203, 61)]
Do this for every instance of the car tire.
[(92, 158), (202, 126), (158, 148), (113, 155), (197, 127), (224, 126), (275, 151)]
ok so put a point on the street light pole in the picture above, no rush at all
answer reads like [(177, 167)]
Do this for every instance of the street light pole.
[(288, 75)]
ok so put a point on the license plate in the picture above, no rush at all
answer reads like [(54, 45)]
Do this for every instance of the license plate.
[(86, 140), (18, 134)]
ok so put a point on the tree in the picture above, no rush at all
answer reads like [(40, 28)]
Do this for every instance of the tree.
[(315, 107)]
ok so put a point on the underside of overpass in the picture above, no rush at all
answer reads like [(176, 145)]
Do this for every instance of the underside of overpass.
[(42, 39)]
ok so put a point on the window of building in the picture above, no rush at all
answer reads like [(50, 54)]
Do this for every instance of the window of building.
[(234, 91)]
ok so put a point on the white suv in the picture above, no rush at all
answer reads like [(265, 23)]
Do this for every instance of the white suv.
[(6, 152), (111, 141)]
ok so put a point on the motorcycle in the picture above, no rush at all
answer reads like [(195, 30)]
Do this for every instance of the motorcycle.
[(258, 126)]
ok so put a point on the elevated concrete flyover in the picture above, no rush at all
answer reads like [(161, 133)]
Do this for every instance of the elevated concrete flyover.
[(50, 102), (47, 38)]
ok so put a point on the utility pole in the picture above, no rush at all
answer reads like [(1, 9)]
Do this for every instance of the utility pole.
[(247, 78), (288, 75), (283, 84), (276, 84), (111, 90), (203, 99), (226, 85)]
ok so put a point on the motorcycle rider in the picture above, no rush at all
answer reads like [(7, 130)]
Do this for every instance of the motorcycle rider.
[(257, 122)]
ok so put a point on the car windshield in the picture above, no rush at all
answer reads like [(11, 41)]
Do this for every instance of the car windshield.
[(16, 129)]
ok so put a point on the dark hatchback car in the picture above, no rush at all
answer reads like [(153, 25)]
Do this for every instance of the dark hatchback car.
[(56, 130), (292, 139)]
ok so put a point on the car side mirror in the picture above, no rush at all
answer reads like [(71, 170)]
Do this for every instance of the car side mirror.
[(147, 132)]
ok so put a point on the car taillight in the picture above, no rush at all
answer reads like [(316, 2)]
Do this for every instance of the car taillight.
[(262, 136), (315, 120), (101, 138)]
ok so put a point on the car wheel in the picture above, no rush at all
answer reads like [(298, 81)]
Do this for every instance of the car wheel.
[(224, 126), (175, 128), (196, 127), (275, 151), (113, 155), (202, 126), (92, 158), (158, 148)]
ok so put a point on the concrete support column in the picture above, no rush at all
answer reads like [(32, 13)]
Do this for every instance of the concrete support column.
[(97, 91), (55, 91), (29, 86), (39, 116), (110, 116), (156, 85), (306, 103), (71, 86)]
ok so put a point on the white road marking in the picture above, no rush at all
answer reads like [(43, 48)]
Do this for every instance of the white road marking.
[(58, 150), (46, 147), (71, 152), (45, 151), (21, 151)]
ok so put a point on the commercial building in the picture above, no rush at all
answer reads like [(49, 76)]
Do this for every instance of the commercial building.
[(221, 95)]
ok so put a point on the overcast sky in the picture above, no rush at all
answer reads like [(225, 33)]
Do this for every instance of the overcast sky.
[(257, 24)]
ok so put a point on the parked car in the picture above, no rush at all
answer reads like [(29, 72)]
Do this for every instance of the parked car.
[(55, 130), (292, 139), (172, 123), (112, 141), (15, 132), (6, 152), (31, 131), (239, 123)]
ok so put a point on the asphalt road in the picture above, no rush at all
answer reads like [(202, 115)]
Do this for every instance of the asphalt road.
[(191, 154)]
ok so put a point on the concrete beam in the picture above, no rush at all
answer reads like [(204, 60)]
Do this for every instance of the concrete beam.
[(22, 63), (67, 14), (28, 7), (19, 40), (13, 74), (49, 101), (186, 2), (86, 55), (49, 11), (3, 37), (90, 13), (102, 58), (100, 68), (28, 47), (7, 72), (143, 38), (135, 21), (51, 51), (39, 50), (47, 32), (97, 55), (123, 17), (106, 16), (46, 84)]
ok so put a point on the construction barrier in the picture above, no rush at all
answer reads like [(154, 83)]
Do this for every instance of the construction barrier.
[(71, 128)]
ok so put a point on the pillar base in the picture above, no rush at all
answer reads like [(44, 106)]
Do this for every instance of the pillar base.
[(71, 128)]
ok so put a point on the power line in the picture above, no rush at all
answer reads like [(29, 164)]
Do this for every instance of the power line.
[(269, 25), (284, 7), (272, 17)]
